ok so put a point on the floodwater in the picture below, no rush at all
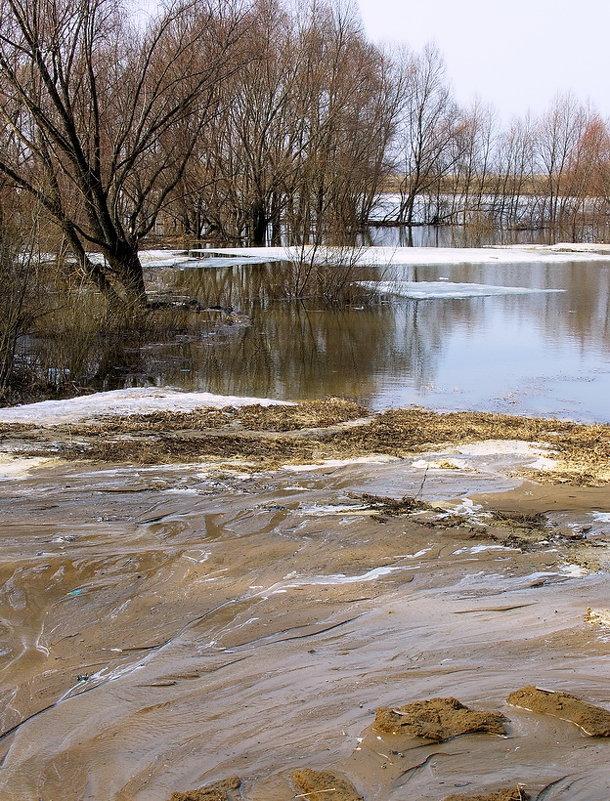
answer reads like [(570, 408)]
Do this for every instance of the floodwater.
[(164, 628), (541, 353)]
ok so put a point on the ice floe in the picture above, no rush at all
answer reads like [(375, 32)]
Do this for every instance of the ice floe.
[(432, 290)]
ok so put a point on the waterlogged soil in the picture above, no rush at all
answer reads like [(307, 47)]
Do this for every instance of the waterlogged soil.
[(204, 629)]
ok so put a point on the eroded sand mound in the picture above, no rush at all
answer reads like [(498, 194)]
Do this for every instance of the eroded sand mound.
[(437, 719), (505, 794), (593, 720), (320, 785), (219, 791)]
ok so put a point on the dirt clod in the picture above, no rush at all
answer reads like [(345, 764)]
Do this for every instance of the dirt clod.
[(321, 785), (437, 719), (219, 791), (593, 720)]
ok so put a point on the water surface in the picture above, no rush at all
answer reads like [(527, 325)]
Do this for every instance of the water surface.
[(540, 353)]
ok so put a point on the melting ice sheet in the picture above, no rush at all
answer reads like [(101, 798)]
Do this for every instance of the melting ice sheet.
[(122, 402), (557, 254), (430, 290)]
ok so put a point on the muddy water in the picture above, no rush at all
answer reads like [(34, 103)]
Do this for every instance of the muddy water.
[(163, 628)]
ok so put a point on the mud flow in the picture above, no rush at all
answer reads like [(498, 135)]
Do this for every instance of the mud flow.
[(199, 632)]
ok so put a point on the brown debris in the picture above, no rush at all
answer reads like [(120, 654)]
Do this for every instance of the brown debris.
[(277, 417), (520, 520), (219, 791), (599, 616), (392, 507), (437, 719), (504, 794), (320, 785), (593, 720)]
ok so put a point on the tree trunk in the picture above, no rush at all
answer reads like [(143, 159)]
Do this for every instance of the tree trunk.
[(124, 262), (259, 225)]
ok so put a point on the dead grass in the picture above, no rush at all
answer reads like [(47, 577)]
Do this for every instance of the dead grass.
[(308, 414), (313, 430)]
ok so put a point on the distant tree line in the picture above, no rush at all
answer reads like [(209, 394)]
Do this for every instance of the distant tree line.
[(259, 122)]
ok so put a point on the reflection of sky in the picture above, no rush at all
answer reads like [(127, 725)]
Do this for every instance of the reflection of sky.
[(515, 354), (537, 353)]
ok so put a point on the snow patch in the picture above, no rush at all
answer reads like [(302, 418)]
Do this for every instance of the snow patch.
[(422, 256), (333, 463), (501, 447), (123, 402), (15, 468), (574, 571), (341, 578), (481, 548)]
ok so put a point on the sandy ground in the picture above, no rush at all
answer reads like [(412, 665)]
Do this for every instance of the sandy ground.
[(166, 627)]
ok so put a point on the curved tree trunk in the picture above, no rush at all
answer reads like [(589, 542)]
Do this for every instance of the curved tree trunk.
[(124, 262)]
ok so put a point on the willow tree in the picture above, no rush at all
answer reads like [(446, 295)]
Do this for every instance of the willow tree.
[(102, 111)]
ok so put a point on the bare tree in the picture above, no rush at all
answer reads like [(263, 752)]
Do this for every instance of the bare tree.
[(559, 133), (103, 116), (515, 174), (428, 131)]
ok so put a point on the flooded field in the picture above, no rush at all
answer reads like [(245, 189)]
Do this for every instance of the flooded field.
[(208, 599), (504, 336), (167, 627)]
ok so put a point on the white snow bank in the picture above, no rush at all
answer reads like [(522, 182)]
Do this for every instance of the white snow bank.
[(184, 259), (325, 464), (429, 290), (123, 402), (503, 254), (20, 467), (524, 254), (498, 447), (495, 447), (565, 247)]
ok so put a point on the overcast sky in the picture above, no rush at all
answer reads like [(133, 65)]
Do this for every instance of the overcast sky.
[(516, 54)]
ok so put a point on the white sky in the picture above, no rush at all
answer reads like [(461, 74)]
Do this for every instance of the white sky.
[(515, 54)]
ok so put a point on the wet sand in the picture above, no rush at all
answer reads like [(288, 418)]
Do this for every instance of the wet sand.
[(166, 627)]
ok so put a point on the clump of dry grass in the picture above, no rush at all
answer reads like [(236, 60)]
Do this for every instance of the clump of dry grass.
[(582, 451), (166, 449), (284, 417), (275, 435)]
